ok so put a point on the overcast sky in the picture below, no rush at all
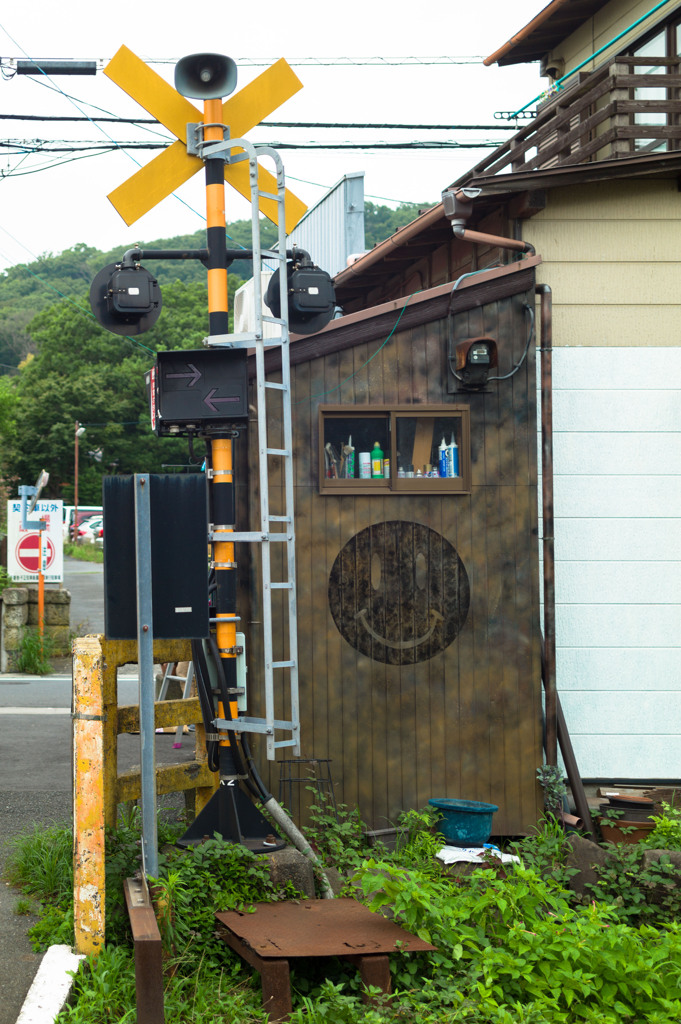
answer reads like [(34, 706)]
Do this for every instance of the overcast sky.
[(50, 202)]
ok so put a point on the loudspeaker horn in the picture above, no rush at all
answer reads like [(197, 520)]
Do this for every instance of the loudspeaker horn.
[(205, 76)]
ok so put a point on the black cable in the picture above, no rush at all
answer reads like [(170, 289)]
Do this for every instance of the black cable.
[(226, 701), (206, 701)]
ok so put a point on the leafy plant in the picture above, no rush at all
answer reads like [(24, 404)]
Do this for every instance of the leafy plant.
[(551, 779), (5, 579), (23, 907), (546, 851), (35, 652), (337, 832), (667, 832)]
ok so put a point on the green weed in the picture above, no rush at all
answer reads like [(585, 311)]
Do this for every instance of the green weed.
[(35, 652)]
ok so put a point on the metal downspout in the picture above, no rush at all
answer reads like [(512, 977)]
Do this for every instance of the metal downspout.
[(556, 728), (546, 353)]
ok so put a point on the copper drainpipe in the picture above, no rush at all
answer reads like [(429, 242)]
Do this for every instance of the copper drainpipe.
[(468, 235), (556, 728)]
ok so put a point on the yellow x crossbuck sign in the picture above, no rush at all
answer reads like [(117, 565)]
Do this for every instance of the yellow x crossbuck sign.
[(171, 168)]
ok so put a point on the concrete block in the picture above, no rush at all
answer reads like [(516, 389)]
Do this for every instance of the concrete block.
[(15, 595)]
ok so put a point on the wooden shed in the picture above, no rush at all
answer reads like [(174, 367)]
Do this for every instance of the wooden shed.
[(418, 596)]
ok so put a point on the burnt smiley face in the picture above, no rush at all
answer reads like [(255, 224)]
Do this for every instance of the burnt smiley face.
[(398, 592)]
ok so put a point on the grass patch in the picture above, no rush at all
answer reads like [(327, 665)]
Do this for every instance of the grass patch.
[(512, 947), (85, 552)]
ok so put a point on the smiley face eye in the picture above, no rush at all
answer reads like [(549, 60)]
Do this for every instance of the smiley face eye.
[(376, 571), (420, 571)]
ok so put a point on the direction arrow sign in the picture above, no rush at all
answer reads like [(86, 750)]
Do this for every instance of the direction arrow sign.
[(171, 168), (193, 373), (181, 400)]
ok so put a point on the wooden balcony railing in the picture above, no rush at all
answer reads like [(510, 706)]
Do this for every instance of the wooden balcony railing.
[(599, 117)]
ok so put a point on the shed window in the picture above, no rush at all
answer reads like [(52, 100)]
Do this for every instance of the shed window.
[(399, 449)]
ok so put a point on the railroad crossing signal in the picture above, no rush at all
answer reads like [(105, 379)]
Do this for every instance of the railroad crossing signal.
[(172, 167)]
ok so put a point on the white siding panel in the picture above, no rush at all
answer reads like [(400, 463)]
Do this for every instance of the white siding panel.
[(634, 755), (589, 671), (629, 625), (617, 369), (592, 453), (617, 497), (623, 713), (617, 583), (651, 540), (592, 409)]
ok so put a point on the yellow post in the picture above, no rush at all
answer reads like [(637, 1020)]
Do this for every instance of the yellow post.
[(88, 795)]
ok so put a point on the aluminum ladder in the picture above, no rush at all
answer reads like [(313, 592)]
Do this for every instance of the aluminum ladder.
[(281, 664)]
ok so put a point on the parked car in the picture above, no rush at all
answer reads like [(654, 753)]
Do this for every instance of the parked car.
[(91, 531), (84, 512)]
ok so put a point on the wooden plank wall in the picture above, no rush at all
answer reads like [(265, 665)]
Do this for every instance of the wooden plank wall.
[(463, 721)]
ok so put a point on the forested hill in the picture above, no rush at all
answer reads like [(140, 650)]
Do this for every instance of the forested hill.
[(28, 288)]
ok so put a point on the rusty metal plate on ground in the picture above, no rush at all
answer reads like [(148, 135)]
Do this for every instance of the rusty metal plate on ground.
[(340, 927)]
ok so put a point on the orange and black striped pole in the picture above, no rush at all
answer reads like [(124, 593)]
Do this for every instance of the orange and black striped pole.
[(223, 503)]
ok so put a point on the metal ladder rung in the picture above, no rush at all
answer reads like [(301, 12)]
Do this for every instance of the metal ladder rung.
[(275, 386), (269, 195), (283, 664), (277, 451), (280, 586), (278, 519)]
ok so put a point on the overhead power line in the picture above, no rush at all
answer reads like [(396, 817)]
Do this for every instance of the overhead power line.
[(49, 146), (277, 124)]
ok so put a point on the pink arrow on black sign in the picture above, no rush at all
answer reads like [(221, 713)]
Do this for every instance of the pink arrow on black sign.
[(212, 402), (195, 375)]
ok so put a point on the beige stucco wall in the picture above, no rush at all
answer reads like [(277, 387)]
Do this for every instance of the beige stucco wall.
[(604, 26), (611, 255)]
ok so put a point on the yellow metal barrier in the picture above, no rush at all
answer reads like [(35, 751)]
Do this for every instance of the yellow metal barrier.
[(97, 786)]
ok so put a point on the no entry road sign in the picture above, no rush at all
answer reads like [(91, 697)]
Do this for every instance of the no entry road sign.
[(23, 546)]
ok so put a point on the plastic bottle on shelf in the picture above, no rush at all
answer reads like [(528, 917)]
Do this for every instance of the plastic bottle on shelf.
[(452, 458), (442, 461), (377, 461)]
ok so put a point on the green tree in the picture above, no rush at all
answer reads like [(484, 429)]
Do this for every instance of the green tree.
[(82, 372)]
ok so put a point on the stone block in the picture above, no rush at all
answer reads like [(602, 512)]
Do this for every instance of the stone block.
[(52, 596), (585, 857), (61, 640), (15, 616), (15, 595), (13, 638), (55, 614), (290, 865)]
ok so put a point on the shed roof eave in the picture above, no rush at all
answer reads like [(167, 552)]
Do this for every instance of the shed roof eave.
[(547, 29), (365, 325), (652, 165)]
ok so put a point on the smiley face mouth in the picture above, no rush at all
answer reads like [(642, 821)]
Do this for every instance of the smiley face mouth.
[(400, 645)]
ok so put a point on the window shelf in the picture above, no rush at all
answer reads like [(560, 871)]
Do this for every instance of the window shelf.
[(409, 437)]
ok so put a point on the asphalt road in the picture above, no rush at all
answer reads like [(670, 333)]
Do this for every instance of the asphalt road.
[(35, 776)]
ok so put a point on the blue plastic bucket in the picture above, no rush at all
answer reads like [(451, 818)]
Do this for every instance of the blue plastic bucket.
[(464, 822)]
